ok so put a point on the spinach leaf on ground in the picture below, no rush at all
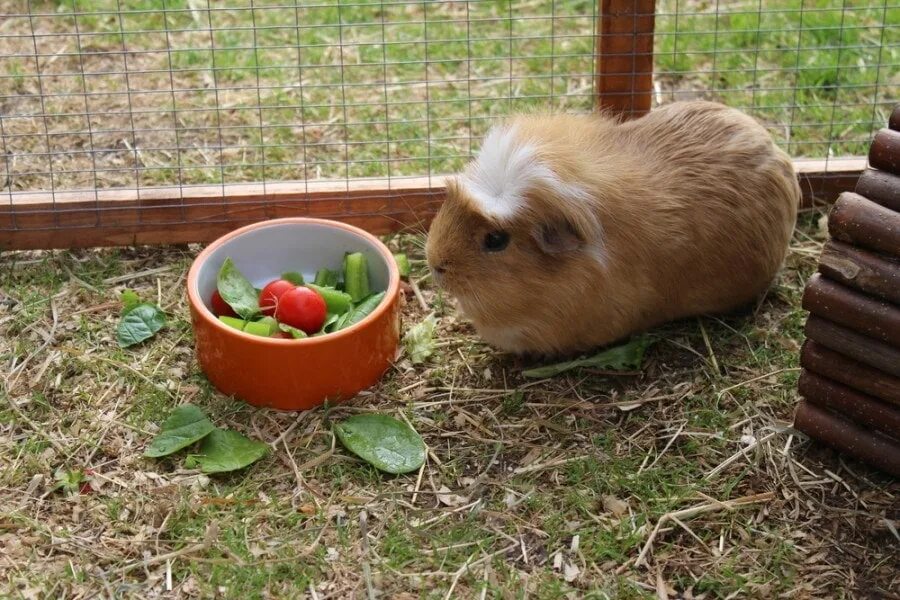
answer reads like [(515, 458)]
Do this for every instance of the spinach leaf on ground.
[(225, 450), (382, 441), (139, 324), (626, 357), (184, 426)]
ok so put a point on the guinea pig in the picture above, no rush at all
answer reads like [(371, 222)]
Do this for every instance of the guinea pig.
[(571, 232)]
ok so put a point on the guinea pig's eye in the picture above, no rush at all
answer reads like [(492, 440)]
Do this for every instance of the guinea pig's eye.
[(495, 241)]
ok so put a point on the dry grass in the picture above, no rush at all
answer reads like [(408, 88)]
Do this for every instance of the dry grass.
[(541, 489)]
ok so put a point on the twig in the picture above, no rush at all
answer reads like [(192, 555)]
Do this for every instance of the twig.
[(296, 470), (97, 308), (34, 426), (288, 431), (665, 448), (419, 481), (661, 592), (130, 276), (211, 534), (318, 459), (418, 293), (743, 383), (547, 465), (17, 372), (468, 564), (367, 571), (709, 348), (693, 511), (737, 455)]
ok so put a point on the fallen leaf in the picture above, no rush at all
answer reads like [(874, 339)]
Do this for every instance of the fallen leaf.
[(384, 442), (225, 450), (614, 505), (625, 357), (140, 323), (184, 426), (449, 499), (419, 340)]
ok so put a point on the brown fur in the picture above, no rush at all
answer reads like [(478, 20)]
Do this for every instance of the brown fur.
[(695, 204)]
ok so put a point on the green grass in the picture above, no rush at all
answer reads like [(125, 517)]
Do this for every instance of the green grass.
[(819, 71), (592, 472), (293, 105), (101, 404)]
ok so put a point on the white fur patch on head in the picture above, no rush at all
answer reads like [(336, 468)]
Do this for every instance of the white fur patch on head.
[(503, 172)]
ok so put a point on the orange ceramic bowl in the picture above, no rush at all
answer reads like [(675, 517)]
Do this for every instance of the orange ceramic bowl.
[(294, 374)]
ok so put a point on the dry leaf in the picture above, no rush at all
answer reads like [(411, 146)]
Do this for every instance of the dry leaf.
[(614, 505), (533, 455), (571, 572), (447, 498), (629, 407)]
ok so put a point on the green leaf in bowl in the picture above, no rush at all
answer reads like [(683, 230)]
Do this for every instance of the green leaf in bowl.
[(237, 291)]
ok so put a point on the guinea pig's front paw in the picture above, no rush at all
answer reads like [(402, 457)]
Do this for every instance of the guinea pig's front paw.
[(511, 340)]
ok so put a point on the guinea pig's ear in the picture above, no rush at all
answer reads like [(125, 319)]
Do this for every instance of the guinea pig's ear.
[(556, 237)]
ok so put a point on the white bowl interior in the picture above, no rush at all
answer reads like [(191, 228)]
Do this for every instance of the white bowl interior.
[(265, 253)]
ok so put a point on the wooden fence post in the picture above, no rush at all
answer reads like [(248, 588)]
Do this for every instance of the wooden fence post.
[(624, 61)]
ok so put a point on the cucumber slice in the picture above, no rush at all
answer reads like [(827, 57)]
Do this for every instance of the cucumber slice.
[(327, 278), (356, 276), (234, 322), (336, 302), (264, 327)]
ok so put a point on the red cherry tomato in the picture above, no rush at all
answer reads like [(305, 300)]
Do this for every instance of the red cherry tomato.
[(268, 298), (302, 308), (221, 308)]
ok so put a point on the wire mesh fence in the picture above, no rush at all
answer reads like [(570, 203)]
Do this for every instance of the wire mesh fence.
[(112, 110)]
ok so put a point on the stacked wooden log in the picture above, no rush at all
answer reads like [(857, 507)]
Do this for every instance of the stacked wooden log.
[(850, 377)]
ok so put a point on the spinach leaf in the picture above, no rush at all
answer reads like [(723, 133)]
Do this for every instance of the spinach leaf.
[(625, 357), (237, 291), (139, 324), (296, 333), (225, 450), (361, 311), (294, 277), (382, 441), (187, 424)]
